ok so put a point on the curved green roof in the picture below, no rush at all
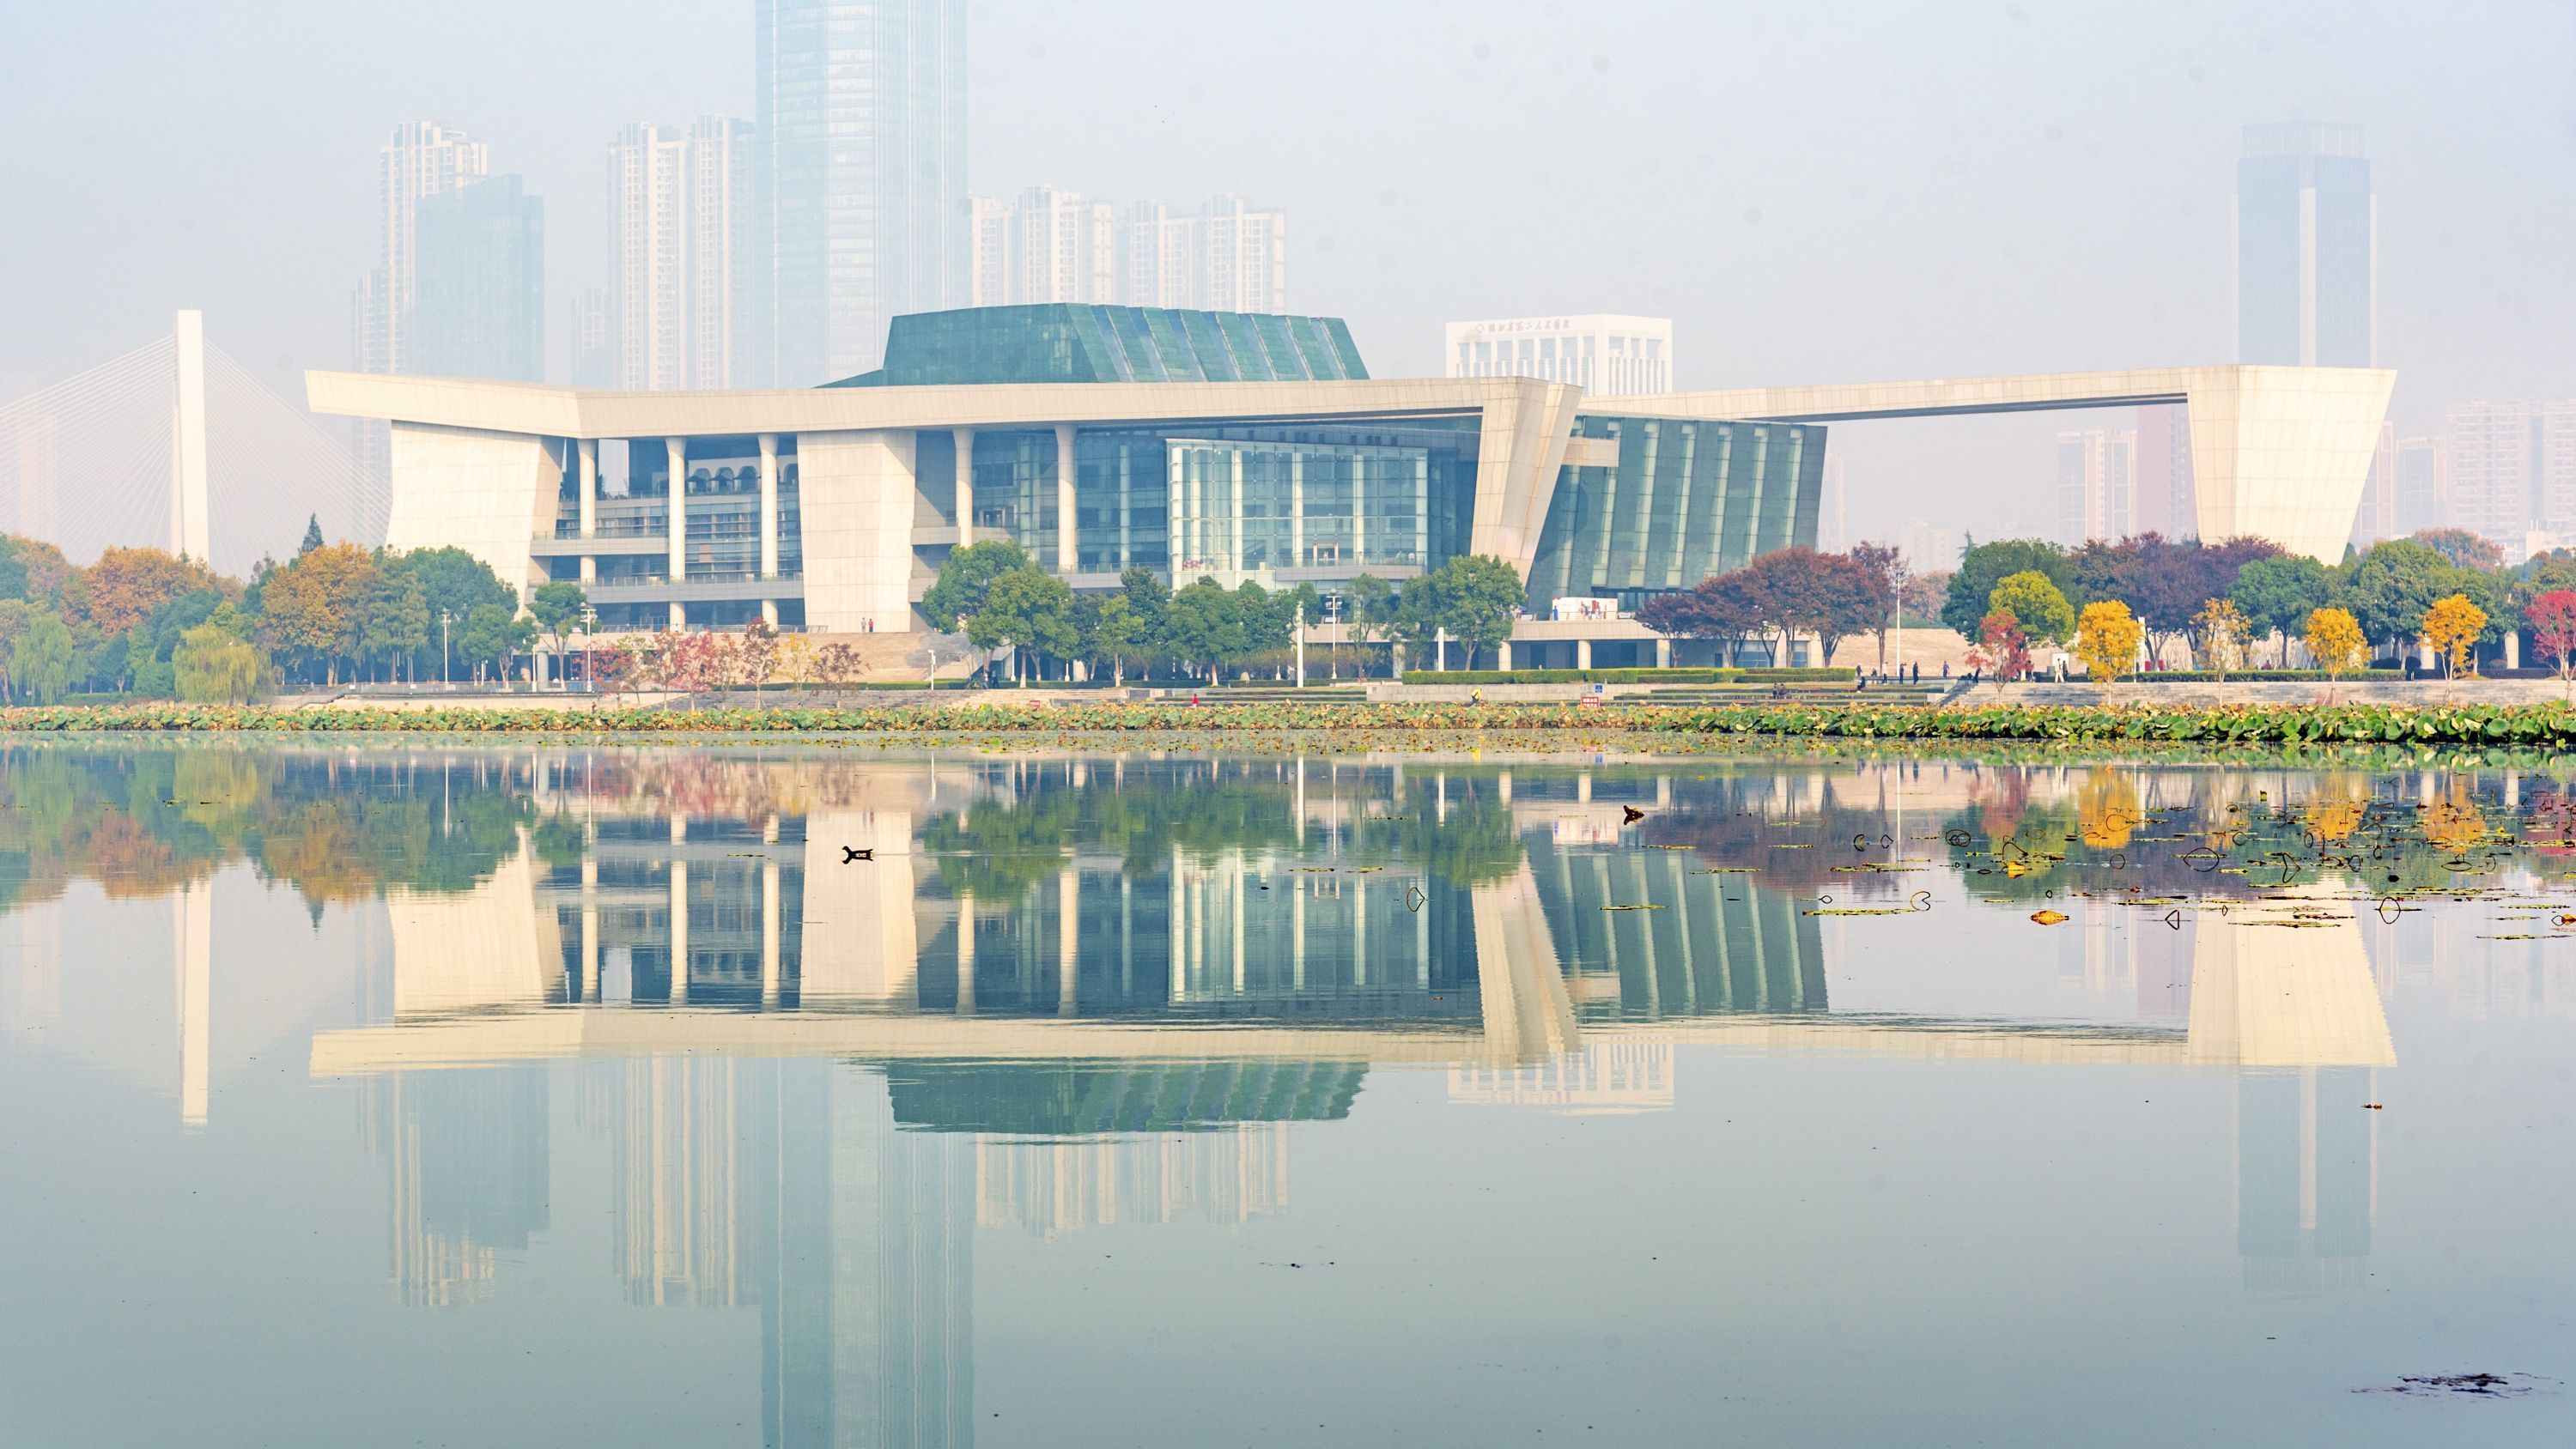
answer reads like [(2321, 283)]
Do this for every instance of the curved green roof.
[(1076, 342)]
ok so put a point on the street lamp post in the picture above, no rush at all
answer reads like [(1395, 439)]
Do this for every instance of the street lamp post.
[(589, 668), (1301, 644), (443, 618)]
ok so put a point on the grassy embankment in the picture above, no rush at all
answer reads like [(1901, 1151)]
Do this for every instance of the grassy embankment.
[(2543, 726)]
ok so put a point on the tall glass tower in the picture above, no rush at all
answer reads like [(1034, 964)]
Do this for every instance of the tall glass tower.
[(862, 137), (2307, 248)]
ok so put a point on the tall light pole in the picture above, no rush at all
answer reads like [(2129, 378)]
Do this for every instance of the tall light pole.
[(1301, 643), (589, 626), (443, 617), (1333, 615)]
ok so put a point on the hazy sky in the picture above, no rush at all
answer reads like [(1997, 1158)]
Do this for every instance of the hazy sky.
[(1813, 192)]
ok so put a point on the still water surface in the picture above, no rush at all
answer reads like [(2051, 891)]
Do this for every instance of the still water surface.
[(407, 1093)]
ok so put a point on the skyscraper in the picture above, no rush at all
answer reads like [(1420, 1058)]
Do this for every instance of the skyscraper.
[(2509, 472), (2419, 484), (684, 303), (594, 364), (421, 158), (2307, 244), (479, 300), (1244, 257), (728, 318), (2166, 502), (647, 258), (862, 139), (2096, 485), (1052, 245), (2376, 519)]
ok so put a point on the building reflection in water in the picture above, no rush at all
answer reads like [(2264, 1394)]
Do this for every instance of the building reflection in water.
[(1049, 1001)]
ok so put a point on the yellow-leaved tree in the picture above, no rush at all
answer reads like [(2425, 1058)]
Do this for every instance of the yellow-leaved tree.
[(2335, 640), (2223, 632), (2107, 640), (2452, 627)]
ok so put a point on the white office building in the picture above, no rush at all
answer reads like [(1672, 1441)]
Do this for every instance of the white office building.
[(1605, 355), (2509, 472)]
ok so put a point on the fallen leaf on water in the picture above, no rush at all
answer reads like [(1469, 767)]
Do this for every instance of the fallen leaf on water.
[(2048, 918)]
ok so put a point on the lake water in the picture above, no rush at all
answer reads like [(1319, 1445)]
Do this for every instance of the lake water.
[(407, 1093)]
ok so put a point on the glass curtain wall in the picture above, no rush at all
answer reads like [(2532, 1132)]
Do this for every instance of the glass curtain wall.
[(1686, 500), (1241, 506)]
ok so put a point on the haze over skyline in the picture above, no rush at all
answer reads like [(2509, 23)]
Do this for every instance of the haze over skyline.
[(1882, 191)]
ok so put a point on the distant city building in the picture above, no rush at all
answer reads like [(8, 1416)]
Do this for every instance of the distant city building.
[(1831, 534), (2419, 484), (1606, 356), (1928, 548), (682, 266), (863, 213), (2509, 471), (2166, 503), (2307, 241), (479, 298), (594, 363), (2376, 518), (1052, 245), (421, 158), (2096, 485)]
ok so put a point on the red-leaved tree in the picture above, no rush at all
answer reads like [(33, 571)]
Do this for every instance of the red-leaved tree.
[(2001, 648), (2552, 618)]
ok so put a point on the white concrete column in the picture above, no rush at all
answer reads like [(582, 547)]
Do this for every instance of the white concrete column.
[(1234, 518), (1359, 515), (587, 462), (1064, 470), (1663, 653), (2513, 649), (677, 505), (679, 929), (1502, 655), (1582, 653), (590, 929), (1068, 938), (769, 932), (965, 955), (1126, 548), (1297, 510), (194, 928), (188, 506), (964, 503), (769, 506)]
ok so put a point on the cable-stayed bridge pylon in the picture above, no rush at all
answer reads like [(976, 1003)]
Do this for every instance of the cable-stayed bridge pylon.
[(178, 446)]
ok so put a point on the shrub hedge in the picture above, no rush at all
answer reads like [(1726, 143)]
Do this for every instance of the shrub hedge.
[(1629, 676)]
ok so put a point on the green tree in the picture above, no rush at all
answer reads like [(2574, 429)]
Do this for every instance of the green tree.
[(1027, 608), (312, 535), (2277, 595), (965, 575), (2036, 604), (1119, 635), (214, 666), (1368, 607), (397, 627), (492, 635), (1203, 626), (41, 664), (1473, 598), (2389, 588), (557, 607), (1985, 565)]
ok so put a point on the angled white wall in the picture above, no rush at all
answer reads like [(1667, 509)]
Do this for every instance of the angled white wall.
[(2284, 452), (489, 494), (855, 494)]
